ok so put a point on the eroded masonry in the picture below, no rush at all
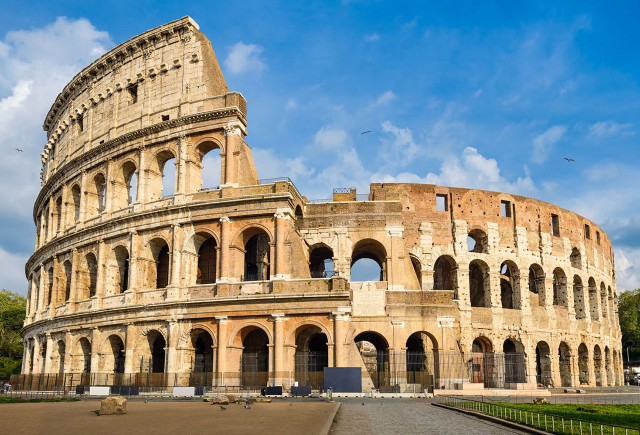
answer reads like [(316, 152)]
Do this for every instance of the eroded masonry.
[(143, 273)]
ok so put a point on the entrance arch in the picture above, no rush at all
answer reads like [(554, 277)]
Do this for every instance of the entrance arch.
[(543, 364), (597, 365), (422, 362), (479, 285), (321, 262), (564, 360), (255, 357), (311, 356), (113, 351), (374, 351), (367, 252), (583, 364)]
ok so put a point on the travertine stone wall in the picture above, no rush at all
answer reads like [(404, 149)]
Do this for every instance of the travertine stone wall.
[(125, 280)]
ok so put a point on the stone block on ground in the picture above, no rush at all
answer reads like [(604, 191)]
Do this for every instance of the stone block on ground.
[(540, 401), (231, 397), (262, 400), (221, 400), (113, 406)]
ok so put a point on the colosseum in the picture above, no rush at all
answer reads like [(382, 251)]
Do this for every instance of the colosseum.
[(144, 275)]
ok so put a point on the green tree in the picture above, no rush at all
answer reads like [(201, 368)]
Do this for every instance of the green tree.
[(629, 314), (13, 309)]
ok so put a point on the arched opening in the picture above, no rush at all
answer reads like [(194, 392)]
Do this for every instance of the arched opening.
[(168, 178), (613, 306), (374, 351), (564, 360), (597, 365), (210, 167), (508, 278), (321, 262), (481, 369), (514, 363), (45, 224), (543, 364), (422, 360), (583, 364), (444, 274), (58, 361), (161, 258), (43, 356), (479, 285), (156, 356), (255, 357), (76, 198), (311, 357), (578, 298), (417, 269), (120, 269), (82, 357), (593, 299), (298, 212), (477, 241), (125, 185), (90, 276), (257, 255), (202, 342), (559, 287), (603, 301), (607, 366), (113, 351), (67, 280), (576, 259), (49, 285), (59, 213), (207, 262), (161, 175), (96, 196), (368, 261)]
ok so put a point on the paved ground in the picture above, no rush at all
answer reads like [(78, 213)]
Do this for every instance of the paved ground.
[(407, 416), (166, 417)]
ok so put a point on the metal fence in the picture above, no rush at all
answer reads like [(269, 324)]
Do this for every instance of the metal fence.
[(539, 420)]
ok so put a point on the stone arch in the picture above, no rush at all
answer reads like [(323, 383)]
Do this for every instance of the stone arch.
[(156, 173), (290, 337), (509, 284), (152, 351), (201, 150), (88, 276), (253, 341), (564, 363), (236, 336), (158, 263), (593, 299), (66, 282), (200, 349), (58, 216), (417, 268), (575, 258), (118, 270), (321, 256), (82, 355), (374, 351), (604, 301), (113, 354), (479, 284), (579, 298), (480, 347), (514, 361), (477, 241), (543, 364), (76, 198), (311, 355), (597, 365), (96, 195), (57, 357), (422, 359), (125, 184), (50, 279), (607, 366), (254, 243), (444, 274), (583, 364), (373, 250), (560, 296)]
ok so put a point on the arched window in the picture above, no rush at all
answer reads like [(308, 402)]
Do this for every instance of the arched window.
[(579, 298), (564, 359), (479, 285), (593, 299), (477, 241), (543, 364), (120, 268), (257, 257), (126, 183), (560, 288), (576, 259), (210, 176), (368, 261), (67, 280), (321, 262), (536, 285), (75, 195), (50, 285), (603, 301), (162, 175), (255, 358), (58, 213), (417, 269), (207, 262), (583, 363), (444, 275), (311, 355), (508, 282), (92, 274)]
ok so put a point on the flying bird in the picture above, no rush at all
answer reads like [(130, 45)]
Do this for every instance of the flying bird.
[(19, 150), (569, 160), (365, 132)]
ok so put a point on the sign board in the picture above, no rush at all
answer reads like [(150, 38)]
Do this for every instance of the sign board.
[(99, 391), (368, 300), (184, 391)]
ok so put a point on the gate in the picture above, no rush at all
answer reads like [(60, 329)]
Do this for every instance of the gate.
[(309, 368)]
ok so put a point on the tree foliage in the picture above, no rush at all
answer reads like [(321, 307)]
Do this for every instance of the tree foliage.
[(629, 314), (13, 309)]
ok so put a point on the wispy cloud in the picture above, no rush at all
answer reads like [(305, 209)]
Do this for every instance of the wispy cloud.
[(542, 143), (372, 37), (383, 99), (245, 58), (609, 128)]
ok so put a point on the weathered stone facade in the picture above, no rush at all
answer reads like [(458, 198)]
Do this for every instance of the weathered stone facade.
[(125, 280)]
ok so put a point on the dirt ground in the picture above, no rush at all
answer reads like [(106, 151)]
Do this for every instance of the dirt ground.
[(167, 416)]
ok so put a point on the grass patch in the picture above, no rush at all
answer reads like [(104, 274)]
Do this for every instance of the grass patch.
[(621, 415), (21, 400)]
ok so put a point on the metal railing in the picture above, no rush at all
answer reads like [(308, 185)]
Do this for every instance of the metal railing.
[(273, 180), (539, 420)]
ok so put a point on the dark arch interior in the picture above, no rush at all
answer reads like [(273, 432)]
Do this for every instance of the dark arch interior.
[(157, 354), (203, 355), (506, 289), (207, 260), (117, 349), (370, 257), (476, 285), (509, 346), (443, 278), (321, 262), (255, 352), (163, 267), (257, 258)]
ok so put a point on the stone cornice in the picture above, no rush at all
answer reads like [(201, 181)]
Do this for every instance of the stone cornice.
[(62, 172), (107, 60)]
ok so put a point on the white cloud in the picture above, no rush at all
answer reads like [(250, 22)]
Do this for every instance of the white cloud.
[(383, 99), (8, 105), (609, 128), (470, 170), (270, 165), (244, 58), (12, 276), (403, 146), (372, 38), (627, 270), (542, 143), (477, 93), (291, 104), (330, 138)]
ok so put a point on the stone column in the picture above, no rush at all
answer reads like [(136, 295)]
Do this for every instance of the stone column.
[(129, 348), (64, 220), (50, 220), (37, 358), (394, 271), (339, 319), (95, 350), (141, 193), (25, 358), (181, 166), (278, 333), (281, 218), (83, 198), (47, 358), (172, 344), (225, 224), (222, 347), (41, 293), (74, 281), (133, 262), (233, 134), (101, 273), (109, 189), (495, 292), (175, 253), (68, 349)]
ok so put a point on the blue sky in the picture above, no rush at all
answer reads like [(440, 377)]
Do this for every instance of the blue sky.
[(460, 94)]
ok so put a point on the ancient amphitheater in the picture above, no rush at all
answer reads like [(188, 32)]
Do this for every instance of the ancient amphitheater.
[(141, 277)]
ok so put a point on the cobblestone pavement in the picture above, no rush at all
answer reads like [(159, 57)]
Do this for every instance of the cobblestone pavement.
[(407, 416)]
